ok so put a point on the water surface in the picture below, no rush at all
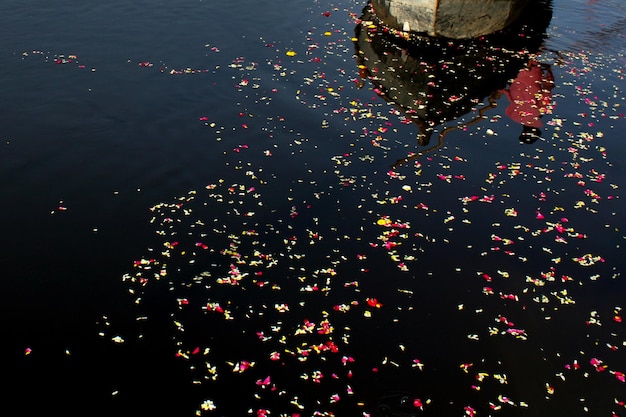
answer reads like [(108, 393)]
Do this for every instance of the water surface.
[(200, 210)]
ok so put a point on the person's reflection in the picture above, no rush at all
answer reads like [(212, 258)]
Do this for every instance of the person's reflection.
[(530, 97)]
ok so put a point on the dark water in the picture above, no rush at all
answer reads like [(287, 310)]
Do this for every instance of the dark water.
[(198, 197)]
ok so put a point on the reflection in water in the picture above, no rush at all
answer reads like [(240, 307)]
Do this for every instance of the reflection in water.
[(530, 97), (435, 80)]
